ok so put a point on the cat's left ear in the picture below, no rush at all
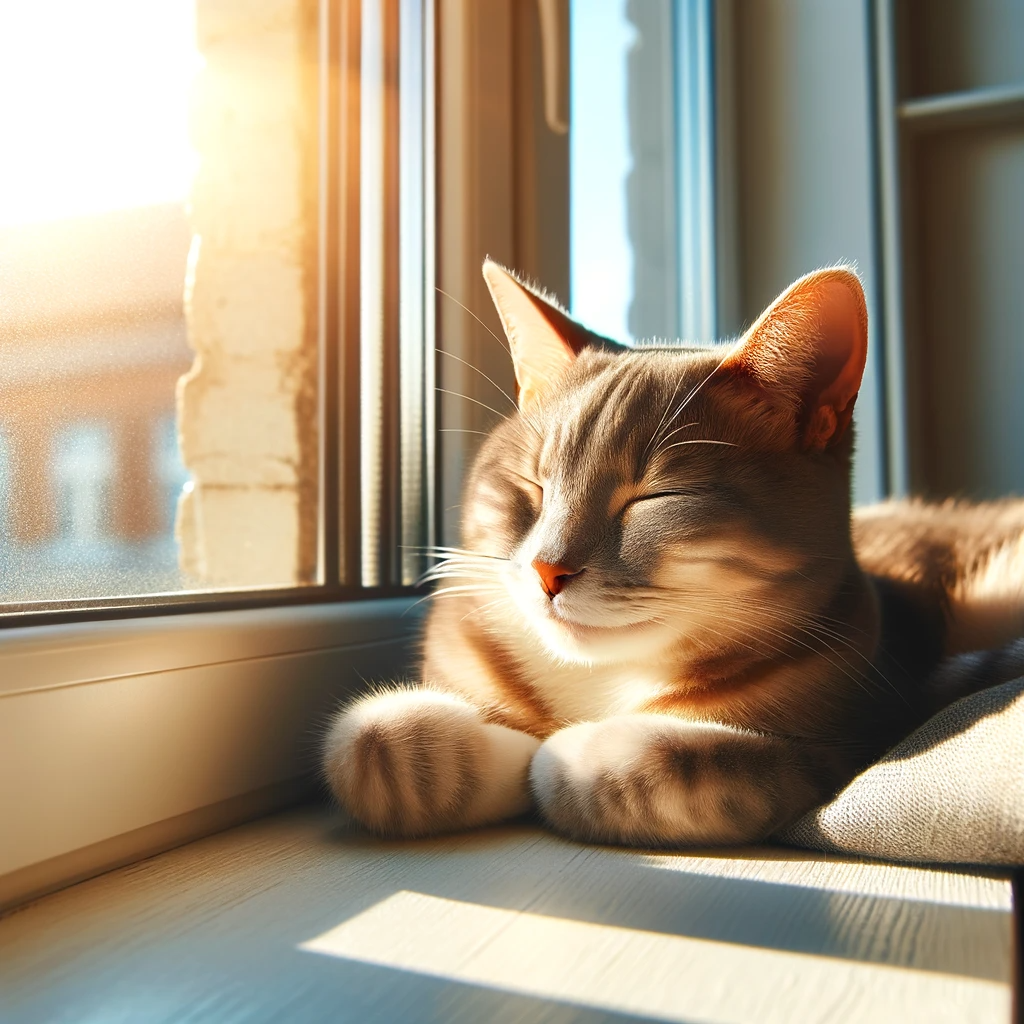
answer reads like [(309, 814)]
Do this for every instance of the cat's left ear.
[(809, 349), (544, 340)]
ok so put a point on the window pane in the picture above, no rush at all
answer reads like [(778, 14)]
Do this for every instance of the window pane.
[(149, 146), (623, 228)]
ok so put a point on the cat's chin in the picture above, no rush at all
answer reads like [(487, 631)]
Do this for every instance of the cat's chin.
[(597, 645)]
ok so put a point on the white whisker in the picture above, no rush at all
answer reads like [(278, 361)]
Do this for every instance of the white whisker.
[(490, 380), (695, 391), (701, 440), (657, 431), (484, 607), (483, 405), (675, 430), (463, 306)]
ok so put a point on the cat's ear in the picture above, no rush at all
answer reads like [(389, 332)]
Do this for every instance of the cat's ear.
[(809, 348), (543, 339)]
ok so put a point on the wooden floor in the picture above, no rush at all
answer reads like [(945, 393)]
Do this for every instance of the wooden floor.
[(296, 918)]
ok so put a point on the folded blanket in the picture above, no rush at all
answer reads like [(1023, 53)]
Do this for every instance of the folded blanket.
[(952, 792)]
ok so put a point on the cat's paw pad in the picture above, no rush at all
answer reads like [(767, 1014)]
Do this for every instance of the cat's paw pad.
[(404, 763)]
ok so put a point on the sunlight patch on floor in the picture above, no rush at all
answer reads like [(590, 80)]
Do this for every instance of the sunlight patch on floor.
[(661, 977)]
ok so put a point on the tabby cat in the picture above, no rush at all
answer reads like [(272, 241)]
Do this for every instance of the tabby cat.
[(663, 628)]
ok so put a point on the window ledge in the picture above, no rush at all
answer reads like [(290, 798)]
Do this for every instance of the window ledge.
[(295, 918), (120, 738)]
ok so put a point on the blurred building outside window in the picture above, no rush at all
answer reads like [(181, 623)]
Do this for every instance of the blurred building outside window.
[(130, 130), (83, 466)]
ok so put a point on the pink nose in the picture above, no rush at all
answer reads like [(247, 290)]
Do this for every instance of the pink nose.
[(554, 577)]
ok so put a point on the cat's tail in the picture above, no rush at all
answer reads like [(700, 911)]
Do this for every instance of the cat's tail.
[(963, 674)]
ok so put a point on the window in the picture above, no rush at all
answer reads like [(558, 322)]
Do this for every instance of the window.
[(94, 238), (214, 326), (644, 236)]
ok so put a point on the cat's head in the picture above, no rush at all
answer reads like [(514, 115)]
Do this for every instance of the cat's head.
[(643, 498)]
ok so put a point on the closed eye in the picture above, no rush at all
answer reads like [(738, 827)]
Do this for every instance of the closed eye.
[(659, 494), (534, 489), (656, 496)]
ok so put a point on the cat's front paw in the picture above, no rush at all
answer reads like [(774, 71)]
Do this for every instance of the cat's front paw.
[(588, 783), (653, 780), (406, 763)]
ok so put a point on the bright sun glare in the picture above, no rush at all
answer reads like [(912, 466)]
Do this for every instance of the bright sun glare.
[(94, 106)]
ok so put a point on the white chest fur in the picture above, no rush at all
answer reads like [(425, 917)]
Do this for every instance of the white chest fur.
[(589, 692)]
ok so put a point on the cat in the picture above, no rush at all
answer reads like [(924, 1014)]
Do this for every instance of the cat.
[(663, 628)]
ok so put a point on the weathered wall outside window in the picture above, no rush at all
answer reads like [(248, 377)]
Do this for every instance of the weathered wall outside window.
[(247, 409)]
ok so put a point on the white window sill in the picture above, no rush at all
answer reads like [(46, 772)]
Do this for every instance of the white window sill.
[(295, 919), (121, 738)]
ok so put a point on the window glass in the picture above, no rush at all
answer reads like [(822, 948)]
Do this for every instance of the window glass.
[(601, 254), (623, 181), (153, 442)]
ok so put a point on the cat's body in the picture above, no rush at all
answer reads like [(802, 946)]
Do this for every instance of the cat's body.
[(658, 630)]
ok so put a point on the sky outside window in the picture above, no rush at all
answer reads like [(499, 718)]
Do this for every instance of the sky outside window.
[(94, 106), (601, 256)]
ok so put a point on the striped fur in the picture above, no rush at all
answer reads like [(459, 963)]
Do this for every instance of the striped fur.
[(726, 648)]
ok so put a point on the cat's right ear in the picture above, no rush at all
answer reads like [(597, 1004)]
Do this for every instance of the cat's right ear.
[(544, 339)]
